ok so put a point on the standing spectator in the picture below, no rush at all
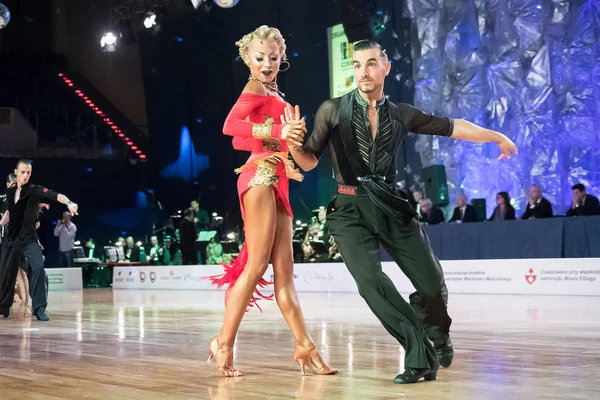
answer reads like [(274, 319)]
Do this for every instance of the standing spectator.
[(538, 206), (65, 230)]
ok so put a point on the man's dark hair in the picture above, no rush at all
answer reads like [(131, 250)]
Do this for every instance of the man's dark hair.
[(578, 186), (189, 212), (24, 162), (369, 44), (10, 178)]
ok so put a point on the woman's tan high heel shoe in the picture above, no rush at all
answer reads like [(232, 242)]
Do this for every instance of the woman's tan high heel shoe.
[(312, 359), (223, 357), (27, 311)]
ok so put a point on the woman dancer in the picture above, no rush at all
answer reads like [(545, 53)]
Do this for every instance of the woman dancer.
[(263, 188), (22, 284)]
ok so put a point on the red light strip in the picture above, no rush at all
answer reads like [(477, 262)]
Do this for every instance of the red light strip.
[(106, 120)]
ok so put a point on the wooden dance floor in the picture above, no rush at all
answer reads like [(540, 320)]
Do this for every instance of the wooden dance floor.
[(152, 344)]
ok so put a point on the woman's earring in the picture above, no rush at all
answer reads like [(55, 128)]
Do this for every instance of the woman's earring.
[(288, 66)]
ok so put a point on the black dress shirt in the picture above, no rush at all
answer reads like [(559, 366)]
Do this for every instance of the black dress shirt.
[(24, 214), (412, 120)]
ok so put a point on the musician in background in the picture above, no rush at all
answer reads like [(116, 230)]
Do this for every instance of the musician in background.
[(91, 250), (132, 250), (156, 252), (188, 235)]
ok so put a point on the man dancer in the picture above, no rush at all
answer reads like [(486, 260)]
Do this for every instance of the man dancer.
[(21, 240), (364, 131)]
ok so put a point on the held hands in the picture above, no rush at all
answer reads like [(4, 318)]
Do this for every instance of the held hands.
[(294, 127), (507, 147), (73, 208)]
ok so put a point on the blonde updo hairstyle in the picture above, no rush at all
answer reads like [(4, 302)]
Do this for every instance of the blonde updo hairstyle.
[(264, 33)]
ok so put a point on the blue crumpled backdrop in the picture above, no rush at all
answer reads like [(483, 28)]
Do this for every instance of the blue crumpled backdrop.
[(527, 68)]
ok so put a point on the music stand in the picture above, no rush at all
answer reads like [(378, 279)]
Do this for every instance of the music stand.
[(78, 252), (121, 254), (110, 253)]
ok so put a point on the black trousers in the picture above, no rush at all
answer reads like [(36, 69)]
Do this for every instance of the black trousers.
[(359, 228), (189, 255), (10, 262), (66, 259)]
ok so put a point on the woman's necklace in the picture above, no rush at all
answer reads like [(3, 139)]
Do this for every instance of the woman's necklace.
[(272, 86)]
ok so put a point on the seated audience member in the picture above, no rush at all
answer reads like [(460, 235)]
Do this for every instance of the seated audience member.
[(583, 203), (463, 212), (504, 210), (431, 214), (538, 206), (417, 198)]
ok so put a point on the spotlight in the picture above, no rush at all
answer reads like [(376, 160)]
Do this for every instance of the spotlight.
[(215, 214), (109, 42), (231, 236), (4, 16), (226, 3), (298, 222), (150, 21)]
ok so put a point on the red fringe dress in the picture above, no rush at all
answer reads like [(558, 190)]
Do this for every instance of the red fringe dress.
[(254, 123)]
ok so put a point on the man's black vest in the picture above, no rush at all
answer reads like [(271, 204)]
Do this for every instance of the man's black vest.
[(379, 185)]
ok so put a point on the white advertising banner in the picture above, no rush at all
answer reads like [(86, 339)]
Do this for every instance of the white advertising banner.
[(562, 276), (527, 276), (64, 279), (169, 277), (341, 69)]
